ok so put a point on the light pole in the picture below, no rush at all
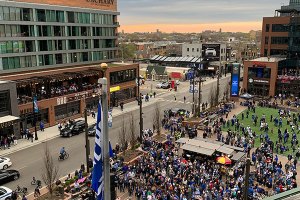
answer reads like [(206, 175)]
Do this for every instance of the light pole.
[(250, 83), (194, 74), (35, 110), (106, 165), (140, 103)]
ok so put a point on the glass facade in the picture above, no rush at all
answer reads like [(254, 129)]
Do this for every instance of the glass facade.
[(57, 39)]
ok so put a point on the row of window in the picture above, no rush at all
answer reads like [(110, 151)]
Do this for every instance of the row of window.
[(52, 59), (278, 27), (52, 45), (279, 40), (122, 76), (42, 15), (50, 31)]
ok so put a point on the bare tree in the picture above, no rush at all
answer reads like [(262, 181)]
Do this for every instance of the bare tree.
[(122, 136), (227, 92), (157, 119), (133, 138), (50, 171), (212, 96)]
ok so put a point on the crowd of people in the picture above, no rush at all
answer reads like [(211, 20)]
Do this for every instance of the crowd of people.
[(162, 173)]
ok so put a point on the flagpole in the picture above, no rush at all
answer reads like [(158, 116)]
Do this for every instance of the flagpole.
[(106, 167)]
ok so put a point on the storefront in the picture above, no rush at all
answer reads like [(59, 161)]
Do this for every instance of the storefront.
[(288, 85), (260, 76)]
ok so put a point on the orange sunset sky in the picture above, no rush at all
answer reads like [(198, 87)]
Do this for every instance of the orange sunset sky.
[(184, 28)]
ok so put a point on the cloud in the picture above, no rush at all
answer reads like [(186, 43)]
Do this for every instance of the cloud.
[(135, 12)]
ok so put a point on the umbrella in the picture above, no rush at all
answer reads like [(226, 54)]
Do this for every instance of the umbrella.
[(224, 160), (246, 96)]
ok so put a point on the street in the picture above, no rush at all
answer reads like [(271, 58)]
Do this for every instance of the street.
[(29, 161)]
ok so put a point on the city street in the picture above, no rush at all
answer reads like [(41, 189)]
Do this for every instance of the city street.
[(29, 161)]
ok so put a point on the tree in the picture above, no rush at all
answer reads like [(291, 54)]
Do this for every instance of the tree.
[(227, 92), (212, 97), (157, 119), (50, 171), (122, 136), (133, 139), (127, 51)]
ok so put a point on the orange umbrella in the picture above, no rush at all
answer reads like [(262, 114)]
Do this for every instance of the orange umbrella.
[(224, 160)]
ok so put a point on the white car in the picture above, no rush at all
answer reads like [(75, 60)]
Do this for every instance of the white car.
[(5, 193), (5, 163)]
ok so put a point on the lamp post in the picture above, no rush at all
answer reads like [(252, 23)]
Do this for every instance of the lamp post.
[(250, 83), (140, 103), (194, 74), (35, 110), (106, 165)]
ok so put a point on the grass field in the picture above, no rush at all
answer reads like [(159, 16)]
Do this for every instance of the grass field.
[(259, 111)]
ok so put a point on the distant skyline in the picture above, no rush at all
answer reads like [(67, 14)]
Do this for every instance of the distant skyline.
[(195, 15)]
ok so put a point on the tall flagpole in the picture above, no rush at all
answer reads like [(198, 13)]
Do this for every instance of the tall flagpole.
[(106, 167)]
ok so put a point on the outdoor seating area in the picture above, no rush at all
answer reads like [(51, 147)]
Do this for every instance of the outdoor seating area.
[(50, 86)]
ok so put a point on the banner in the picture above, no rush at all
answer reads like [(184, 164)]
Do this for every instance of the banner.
[(235, 80), (35, 105)]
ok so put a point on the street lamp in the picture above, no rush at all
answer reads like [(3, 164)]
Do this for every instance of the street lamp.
[(250, 83)]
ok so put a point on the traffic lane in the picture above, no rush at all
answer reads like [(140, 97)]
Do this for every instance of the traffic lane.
[(30, 161)]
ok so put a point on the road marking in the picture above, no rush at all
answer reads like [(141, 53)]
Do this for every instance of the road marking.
[(21, 168)]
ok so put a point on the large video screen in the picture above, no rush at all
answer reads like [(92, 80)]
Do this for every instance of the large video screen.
[(211, 52)]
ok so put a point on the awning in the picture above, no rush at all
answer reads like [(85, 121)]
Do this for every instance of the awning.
[(199, 150), (7, 120), (238, 156), (225, 150), (182, 140)]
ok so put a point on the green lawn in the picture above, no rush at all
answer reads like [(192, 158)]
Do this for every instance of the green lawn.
[(259, 111)]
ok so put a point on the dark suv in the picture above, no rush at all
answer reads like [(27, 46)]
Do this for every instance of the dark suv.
[(73, 129)]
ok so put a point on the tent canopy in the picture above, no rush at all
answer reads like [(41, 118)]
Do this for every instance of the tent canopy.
[(246, 96)]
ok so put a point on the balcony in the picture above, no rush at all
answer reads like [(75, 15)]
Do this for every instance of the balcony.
[(51, 86)]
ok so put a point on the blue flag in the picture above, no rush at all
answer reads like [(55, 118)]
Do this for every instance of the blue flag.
[(111, 153), (98, 175)]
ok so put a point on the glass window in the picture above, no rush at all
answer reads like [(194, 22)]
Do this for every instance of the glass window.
[(16, 46), (71, 17), (41, 15), (28, 31), (14, 30), (1, 13), (58, 59), (28, 61), (21, 46), (26, 14), (5, 63), (9, 47), (22, 61), (18, 14), (43, 46), (12, 13), (59, 30), (72, 44), (33, 61), (41, 60), (11, 63), (17, 62), (8, 30), (60, 44), (60, 16), (6, 13), (2, 30), (50, 15), (267, 27), (48, 59), (5, 106), (2, 47), (29, 46)]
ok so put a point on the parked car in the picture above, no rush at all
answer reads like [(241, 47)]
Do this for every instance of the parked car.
[(74, 129), (8, 175), (158, 85), (92, 130), (177, 82), (5, 163), (5, 193), (165, 85)]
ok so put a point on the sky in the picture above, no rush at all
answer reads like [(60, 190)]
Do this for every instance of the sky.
[(195, 15)]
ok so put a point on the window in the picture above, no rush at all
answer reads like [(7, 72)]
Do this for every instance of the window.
[(279, 40), (193, 49), (5, 13), (48, 59), (60, 16), (60, 44), (50, 16), (12, 14), (71, 17), (84, 31), (8, 30), (29, 46), (41, 15), (5, 107), (26, 14), (267, 27), (266, 40), (58, 58), (2, 30), (96, 44), (45, 31), (280, 27), (188, 49), (43, 45), (1, 13), (27, 31), (72, 44), (9, 47), (59, 31)]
